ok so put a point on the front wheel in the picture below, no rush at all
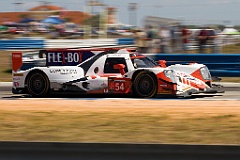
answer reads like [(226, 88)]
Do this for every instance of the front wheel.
[(145, 85), (38, 84)]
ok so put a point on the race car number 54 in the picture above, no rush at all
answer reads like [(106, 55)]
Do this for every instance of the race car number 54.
[(119, 86)]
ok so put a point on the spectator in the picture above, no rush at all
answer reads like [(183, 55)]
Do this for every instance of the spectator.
[(150, 36), (202, 40), (174, 37), (185, 38), (211, 38), (218, 42), (177, 47), (165, 39), (140, 40)]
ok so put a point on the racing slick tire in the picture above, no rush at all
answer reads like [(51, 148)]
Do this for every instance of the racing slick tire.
[(145, 85), (38, 84)]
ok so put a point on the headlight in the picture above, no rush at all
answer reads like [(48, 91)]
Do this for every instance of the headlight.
[(171, 75), (205, 73), (168, 73)]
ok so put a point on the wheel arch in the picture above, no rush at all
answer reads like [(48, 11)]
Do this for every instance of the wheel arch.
[(45, 84), (136, 73), (139, 72), (34, 71)]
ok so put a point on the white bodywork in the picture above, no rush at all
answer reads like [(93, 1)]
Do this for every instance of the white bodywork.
[(94, 78)]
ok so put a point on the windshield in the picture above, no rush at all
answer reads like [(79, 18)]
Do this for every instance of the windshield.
[(143, 62)]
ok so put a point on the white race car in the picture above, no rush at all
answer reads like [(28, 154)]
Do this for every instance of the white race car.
[(112, 71)]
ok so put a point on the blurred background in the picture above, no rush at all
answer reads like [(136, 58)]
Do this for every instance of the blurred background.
[(208, 29), (190, 26), (169, 26)]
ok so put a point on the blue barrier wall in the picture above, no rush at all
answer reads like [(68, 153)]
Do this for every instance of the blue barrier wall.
[(223, 65), (21, 44), (28, 43), (125, 41)]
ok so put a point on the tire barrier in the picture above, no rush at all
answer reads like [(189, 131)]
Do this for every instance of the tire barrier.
[(222, 65), (28, 43), (115, 151), (78, 43)]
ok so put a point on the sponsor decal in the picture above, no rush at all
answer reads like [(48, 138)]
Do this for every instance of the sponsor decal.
[(17, 74), (15, 84), (187, 88), (66, 57), (163, 85), (182, 74), (165, 92), (191, 78), (63, 71), (16, 79), (63, 57), (191, 81), (104, 85)]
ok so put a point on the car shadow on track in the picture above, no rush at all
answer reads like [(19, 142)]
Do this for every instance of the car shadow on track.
[(109, 96)]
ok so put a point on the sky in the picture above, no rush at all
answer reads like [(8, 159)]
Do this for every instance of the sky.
[(226, 12)]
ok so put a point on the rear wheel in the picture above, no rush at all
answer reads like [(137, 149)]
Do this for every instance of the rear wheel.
[(145, 85), (38, 84)]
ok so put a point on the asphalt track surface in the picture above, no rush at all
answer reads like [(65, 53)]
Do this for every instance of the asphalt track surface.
[(232, 92)]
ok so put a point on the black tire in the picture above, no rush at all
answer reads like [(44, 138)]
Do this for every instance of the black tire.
[(38, 84), (145, 85)]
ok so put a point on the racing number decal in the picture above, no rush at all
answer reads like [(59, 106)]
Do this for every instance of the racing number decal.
[(119, 86)]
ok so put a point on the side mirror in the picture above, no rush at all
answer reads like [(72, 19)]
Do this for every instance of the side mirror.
[(120, 67), (162, 63)]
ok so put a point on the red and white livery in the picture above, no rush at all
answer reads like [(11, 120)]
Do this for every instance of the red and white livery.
[(114, 71)]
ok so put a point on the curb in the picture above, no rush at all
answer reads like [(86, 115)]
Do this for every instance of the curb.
[(228, 84), (5, 86)]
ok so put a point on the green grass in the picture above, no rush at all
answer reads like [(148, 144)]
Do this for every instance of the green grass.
[(232, 48), (90, 126), (5, 66), (230, 79)]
